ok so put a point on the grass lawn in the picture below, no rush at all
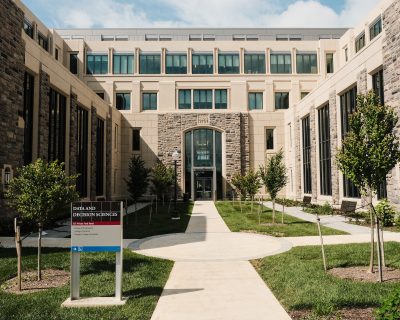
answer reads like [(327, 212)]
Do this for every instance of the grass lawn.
[(298, 280), (143, 282), (137, 226), (248, 221)]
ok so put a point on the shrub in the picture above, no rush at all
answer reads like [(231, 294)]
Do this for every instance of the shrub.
[(385, 212), (390, 308), (325, 209)]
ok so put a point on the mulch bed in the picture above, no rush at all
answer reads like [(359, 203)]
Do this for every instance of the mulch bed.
[(51, 278), (343, 314), (362, 274)]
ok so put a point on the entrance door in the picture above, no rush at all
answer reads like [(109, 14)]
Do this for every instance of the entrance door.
[(203, 185)]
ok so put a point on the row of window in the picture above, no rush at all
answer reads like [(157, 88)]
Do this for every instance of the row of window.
[(41, 39), (374, 30), (228, 63)]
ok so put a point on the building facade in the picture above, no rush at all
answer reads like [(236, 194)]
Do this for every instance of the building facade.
[(225, 99)]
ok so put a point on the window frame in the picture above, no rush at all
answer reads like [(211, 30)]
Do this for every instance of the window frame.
[(306, 154), (280, 93), (256, 99), (358, 44), (75, 54), (268, 148), (287, 68), (151, 94), (136, 144), (103, 61), (324, 151), (329, 63), (203, 68), (301, 68), (173, 69), (373, 33), (233, 69), (253, 67), (129, 57), (123, 95), (147, 70)]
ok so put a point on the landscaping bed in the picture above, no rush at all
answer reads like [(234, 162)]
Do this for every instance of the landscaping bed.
[(246, 221)]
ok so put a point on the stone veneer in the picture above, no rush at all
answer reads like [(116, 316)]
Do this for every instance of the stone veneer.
[(73, 134), (313, 141), (297, 152), (44, 100), (334, 146), (235, 125), (93, 154), (391, 66)]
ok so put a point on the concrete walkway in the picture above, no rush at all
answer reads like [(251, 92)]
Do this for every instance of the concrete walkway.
[(212, 278)]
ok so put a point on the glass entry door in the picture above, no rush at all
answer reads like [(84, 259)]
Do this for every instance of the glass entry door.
[(203, 185)]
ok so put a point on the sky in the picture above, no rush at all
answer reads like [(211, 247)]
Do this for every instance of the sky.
[(200, 13)]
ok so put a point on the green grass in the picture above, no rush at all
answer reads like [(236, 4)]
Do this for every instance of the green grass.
[(137, 226), (299, 282), (143, 282), (248, 221)]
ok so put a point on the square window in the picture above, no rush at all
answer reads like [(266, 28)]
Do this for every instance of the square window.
[(149, 101), (123, 101), (255, 101), (281, 100)]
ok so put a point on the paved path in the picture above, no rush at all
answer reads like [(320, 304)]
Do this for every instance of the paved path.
[(212, 279)]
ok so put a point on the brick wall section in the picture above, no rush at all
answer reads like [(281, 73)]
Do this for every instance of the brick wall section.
[(108, 156), (362, 81), (12, 55), (391, 65), (73, 134), (334, 146), (313, 140), (244, 142), (297, 155), (44, 100), (93, 135)]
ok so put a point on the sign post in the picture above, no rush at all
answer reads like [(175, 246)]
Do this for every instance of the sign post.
[(95, 227)]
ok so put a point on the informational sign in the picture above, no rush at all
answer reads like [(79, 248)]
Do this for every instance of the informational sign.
[(96, 226)]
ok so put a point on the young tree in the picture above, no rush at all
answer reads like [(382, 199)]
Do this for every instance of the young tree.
[(252, 184), (162, 179), (369, 151), (274, 177), (38, 191), (238, 183)]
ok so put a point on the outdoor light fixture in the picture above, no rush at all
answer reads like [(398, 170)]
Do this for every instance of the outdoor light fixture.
[(175, 157)]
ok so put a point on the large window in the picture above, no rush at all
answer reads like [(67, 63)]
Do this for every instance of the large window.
[(150, 64), (202, 63), (82, 152), (43, 41), (228, 63), (254, 63), (73, 63), (325, 176), (185, 99), (348, 103), (122, 63), (281, 100), (100, 157), (360, 42), (329, 63), (255, 100), (136, 140), (202, 99), (123, 100), (28, 28), (57, 125), (375, 29), (269, 139), (221, 98), (281, 63), (149, 101), (176, 64), (306, 63), (306, 135), (28, 116), (96, 63)]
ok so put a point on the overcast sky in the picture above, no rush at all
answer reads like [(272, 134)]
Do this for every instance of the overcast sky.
[(200, 13)]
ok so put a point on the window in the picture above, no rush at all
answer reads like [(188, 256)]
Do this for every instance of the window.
[(254, 63), (99, 157), (269, 139), (57, 125), (346, 54), (96, 63), (43, 41), (255, 100), (324, 151), (360, 42), (281, 100), (329, 63), (82, 152), (375, 29), (185, 99), (228, 63), (221, 99), (176, 64), (281, 63), (202, 63), (100, 94), (136, 140), (123, 63), (73, 63), (306, 135), (202, 99), (348, 103), (123, 100), (303, 94), (149, 101), (150, 64), (306, 63), (28, 28), (28, 116), (56, 53)]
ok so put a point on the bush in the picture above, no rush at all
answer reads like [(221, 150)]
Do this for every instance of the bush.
[(390, 308), (325, 209), (385, 212), (288, 202)]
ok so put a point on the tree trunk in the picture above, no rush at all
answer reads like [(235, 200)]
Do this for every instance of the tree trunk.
[(371, 259), (240, 203), (259, 213), (39, 262), (273, 211), (378, 247), (252, 200), (383, 247), (283, 211)]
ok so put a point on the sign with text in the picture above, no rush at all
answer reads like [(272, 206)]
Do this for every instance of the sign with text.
[(96, 226)]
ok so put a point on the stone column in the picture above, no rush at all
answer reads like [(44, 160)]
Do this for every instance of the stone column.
[(334, 146), (244, 142), (44, 102), (73, 134), (313, 140), (109, 155), (93, 154), (297, 154), (362, 81)]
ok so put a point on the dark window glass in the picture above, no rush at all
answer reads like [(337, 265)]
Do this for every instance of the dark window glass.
[(221, 99), (28, 28), (43, 41), (329, 63), (100, 94), (203, 148), (304, 94), (100, 157), (57, 125), (96, 64), (82, 152), (136, 139), (360, 42), (185, 99), (202, 99), (150, 64), (123, 63), (306, 154), (176, 64), (269, 139), (123, 101), (281, 63), (281, 100), (228, 63), (255, 100), (149, 101), (28, 116), (56, 54), (324, 151), (73, 63), (202, 63), (254, 63), (306, 63), (375, 29)]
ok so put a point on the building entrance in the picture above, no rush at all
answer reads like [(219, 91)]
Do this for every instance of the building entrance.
[(203, 185)]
